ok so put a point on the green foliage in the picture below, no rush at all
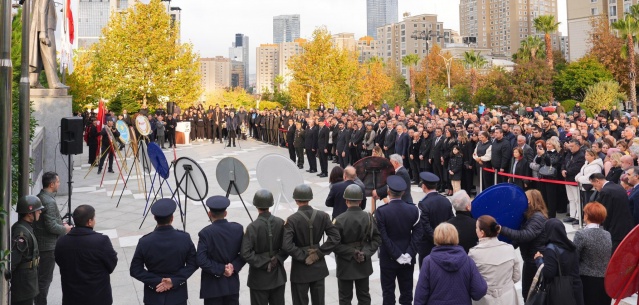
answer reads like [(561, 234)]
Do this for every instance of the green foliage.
[(576, 77), (461, 95), (399, 91), (531, 83), (602, 95), (531, 48), (569, 104), (438, 95)]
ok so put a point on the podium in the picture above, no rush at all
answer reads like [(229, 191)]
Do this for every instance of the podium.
[(182, 133)]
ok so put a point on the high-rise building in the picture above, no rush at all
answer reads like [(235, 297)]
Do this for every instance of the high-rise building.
[(272, 61), (216, 73), (380, 13), (238, 75), (501, 25), (286, 28), (345, 41), (176, 17), (239, 51), (366, 48)]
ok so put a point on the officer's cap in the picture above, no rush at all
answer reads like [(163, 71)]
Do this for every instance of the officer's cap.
[(396, 183), (428, 177), (163, 207), (218, 203)]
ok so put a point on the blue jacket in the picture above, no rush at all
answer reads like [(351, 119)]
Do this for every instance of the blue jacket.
[(401, 145), (398, 223), (634, 204), (164, 253), (220, 244), (449, 276), (336, 199), (435, 209)]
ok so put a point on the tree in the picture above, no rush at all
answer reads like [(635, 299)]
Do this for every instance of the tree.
[(474, 61), (81, 84), (628, 27), (433, 72), (529, 49), (493, 88), (330, 74), (399, 91), (531, 83), (572, 81), (140, 53), (375, 82), (411, 61), (547, 24), (602, 95)]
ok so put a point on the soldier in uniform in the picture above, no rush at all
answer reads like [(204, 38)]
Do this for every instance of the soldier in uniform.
[(218, 254), (302, 234), (435, 209), (359, 240), (398, 223), (299, 143), (164, 259), (262, 250), (24, 252)]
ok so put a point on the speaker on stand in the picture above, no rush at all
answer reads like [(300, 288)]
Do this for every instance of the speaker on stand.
[(71, 144)]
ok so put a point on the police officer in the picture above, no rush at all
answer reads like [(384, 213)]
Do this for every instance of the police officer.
[(218, 254), (262, 250), (398, 223), (164, 259), (24, 252), (359, 240), (435, 209), (302, 234)]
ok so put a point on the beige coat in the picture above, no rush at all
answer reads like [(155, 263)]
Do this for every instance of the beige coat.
[(499, 265)]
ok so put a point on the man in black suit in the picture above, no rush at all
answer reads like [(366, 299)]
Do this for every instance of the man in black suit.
[(463, 220), (619, 221), (435, 209), (501, 154), (127, 118), (529, 153), (436, 155), (389, 142), (402, 143), (290, 137), (343, 138), (322, 149), (381, 133), (310, 144), (335, 197), (217, 118), (356, 142), (401, 171)]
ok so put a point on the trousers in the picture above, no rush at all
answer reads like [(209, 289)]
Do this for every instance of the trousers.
[(106, 151), (273, 296), (404, 277), (345, 288), (574, 201), (233, 299), (312, 159), (323, 161), (45, 276), (299, 293)]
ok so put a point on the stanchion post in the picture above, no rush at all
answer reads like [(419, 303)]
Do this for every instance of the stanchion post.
[(495, 177), (481, 179)]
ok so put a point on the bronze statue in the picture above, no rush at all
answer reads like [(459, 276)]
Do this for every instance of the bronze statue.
[(42, 53)]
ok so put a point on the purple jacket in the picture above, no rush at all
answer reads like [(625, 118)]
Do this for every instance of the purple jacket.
[(449, 276)]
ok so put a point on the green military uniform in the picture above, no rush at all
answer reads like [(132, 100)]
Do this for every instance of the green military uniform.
[(358, 232), (298, 143), (24, 263)]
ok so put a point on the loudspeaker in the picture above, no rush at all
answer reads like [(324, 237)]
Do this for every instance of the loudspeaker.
[(71, 136)]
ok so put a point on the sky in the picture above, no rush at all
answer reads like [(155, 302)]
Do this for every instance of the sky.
[(211, 25)]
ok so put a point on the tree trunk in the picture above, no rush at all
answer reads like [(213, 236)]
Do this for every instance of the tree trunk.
[(549, 60), (631, 58), (411, 70), (473, 81)]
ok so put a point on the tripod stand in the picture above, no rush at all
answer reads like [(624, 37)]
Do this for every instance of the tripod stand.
[(375, 171), (234, 186), (69, 214), (144, 165)]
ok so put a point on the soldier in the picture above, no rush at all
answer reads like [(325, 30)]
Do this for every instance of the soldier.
[(47, 230), (24, 252), (398, 223), (299, 143), (435, 209), (218, 254), (302, 234), (262, 250), (359, 240), (169, 257)]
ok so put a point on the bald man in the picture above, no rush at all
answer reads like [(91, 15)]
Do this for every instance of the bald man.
[(335, 197)]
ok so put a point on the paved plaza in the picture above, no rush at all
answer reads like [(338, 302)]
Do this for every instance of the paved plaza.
[(122, 223)]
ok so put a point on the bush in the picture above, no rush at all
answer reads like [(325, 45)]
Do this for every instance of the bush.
[(569, 104), (602, 95)]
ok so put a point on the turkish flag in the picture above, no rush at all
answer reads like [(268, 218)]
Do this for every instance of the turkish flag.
[(71, 26)]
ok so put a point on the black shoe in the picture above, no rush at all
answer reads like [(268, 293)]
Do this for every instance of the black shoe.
[(569, 219), (313, 171), (165, 147), (99, 171), (335, 161), (228, 145), (322, 175), (300, 166), (111, 171), (308, 170), (576, 222), (233, 145)]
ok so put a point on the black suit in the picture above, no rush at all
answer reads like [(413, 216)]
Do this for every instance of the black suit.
[(619, 221), (356, 144), (435, 209), (382, 192), (465, 225), (381, 137), (435, 159), (343, 138), (310, 144), (390, 143), (522, 168), (322, 144), (290, 137), (336, 199)]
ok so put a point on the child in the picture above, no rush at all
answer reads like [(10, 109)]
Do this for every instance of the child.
[(455, 168)]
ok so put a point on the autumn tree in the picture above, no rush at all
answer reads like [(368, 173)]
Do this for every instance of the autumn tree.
[(81, 84), (140, 53), (375, 82), (330, 74), (399, 91), (531, 83), (572, 81), (411, 61), (602, 95), (493, 88), (433, 72)]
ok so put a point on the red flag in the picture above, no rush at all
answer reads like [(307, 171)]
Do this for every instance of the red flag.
[(101, 115), (70, 22)]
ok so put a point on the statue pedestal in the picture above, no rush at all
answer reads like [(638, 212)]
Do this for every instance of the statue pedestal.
[(49, 107)]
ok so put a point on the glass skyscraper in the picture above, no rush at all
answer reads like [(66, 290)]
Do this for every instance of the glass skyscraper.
[(379, 13), (286, 28)]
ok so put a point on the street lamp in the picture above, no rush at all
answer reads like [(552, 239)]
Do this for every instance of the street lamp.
[(308, 100), (427, 37), (448, 62)]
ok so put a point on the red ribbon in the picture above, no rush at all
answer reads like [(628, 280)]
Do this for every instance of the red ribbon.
[(491, 170)]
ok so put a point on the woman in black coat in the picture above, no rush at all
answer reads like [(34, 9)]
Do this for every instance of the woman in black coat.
[(424, 152), (552, 192), (466, 147), (519, 167), (455, 165), (447, 148), (530, 237), (562, 253), (413, 155)]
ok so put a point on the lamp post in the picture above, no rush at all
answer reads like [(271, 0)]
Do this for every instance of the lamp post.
[(448, 62), (308, 100), (427, 37), (6, 72)]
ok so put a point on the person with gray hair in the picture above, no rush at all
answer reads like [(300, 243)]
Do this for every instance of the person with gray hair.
[(398, 163), (463, 220)]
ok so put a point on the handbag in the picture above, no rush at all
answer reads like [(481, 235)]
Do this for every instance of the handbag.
[(559, 291), (537, 293), (546, 170)]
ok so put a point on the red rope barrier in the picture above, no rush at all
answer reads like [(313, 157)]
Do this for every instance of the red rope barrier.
[(491, 170)]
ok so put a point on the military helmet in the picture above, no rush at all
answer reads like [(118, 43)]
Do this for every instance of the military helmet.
[(353, 192), (303, 192), (263, 199), (28, 204)]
